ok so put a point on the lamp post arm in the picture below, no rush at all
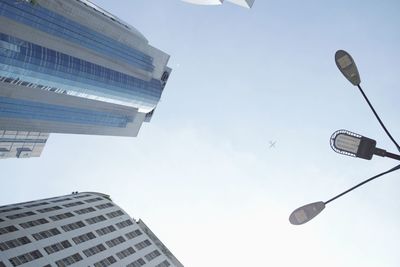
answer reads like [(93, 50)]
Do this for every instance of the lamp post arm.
[(384, 153), (377, 117), (364, 182), (392, 156)]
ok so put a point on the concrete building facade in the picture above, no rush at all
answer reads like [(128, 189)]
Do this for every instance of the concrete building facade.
[(243, 3), (20, 144), (81, 229)]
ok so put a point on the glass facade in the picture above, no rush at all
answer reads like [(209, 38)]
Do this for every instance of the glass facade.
[(16, 108), (32, 63), (52, 23), (72, 67)]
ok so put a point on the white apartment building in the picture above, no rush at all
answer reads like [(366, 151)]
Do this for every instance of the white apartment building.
[(243, 3), (81, 229)]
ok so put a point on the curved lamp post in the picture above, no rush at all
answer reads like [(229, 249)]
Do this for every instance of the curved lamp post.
[(307, 212), (348, 143), (348, 68)]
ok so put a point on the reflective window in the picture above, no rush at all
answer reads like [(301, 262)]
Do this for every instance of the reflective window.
[(14, 243), (69, 260), (57, 247), (57, 25), (105, 262), (27, 257), (46, 234), (50, 69)]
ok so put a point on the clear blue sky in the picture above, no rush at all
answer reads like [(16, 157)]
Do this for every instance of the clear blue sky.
[(201, 174)]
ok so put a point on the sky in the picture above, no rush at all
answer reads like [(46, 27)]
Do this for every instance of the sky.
[(201, 173)]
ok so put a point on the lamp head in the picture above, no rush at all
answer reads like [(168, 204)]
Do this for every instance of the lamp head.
[(352, 144), (306, 213), (347, 67)]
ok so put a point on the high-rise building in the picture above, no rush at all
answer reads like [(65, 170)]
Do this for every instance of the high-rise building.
[(68, 66), (81, 229), (243, 3)]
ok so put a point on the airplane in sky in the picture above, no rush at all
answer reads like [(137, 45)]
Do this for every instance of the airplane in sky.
[(272, 144)]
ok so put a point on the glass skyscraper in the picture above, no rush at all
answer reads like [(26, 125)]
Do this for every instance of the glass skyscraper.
[(68, 66)]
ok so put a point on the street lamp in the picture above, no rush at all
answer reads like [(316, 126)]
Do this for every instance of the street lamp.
[(348, 143), (348, 68), (354, 145), (307, 212)]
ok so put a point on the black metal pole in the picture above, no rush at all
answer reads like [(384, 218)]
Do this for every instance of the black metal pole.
[(392, 156), (360, 184), (379, 119)]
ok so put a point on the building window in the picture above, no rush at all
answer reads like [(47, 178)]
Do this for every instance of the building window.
[(49, 209), (152, 255), (33, 223), (73, 226), (37, 204), (24, 258), (104, 206), (46, 234), (61, 200), (14, 243), (90, 200), (116, 241), (85, 210), (114, 214), (124, 224), (165, 76), (136, 263), (106, 230), (69, 260), (10, 209), (83, 238), (57, 247), (73, 204), (143, 244), (82, 196), (96, 219), (133, 234), (8, 229), (20, 215), (94, 250), (163, 264), (106, 262), (62, 216), (125, 253)]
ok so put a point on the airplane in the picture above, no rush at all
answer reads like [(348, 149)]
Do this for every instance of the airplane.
[(272, 144)]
